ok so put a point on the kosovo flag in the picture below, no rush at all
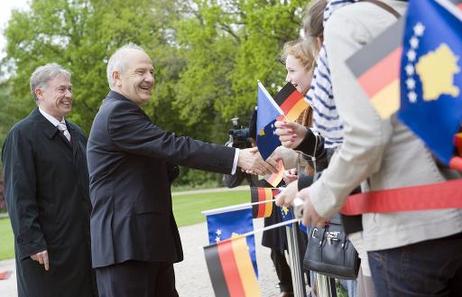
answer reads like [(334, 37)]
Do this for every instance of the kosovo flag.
[(431, 75), (224, 225), (267, 113)]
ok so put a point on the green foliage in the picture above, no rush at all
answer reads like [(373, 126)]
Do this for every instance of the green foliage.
[(9, 108), (208, 56), (80, 35), (229, 45), (197, 178)]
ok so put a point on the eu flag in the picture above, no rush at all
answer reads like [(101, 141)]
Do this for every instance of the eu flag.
[(286, 213), (224, 225), (431, 75), (267, 112)]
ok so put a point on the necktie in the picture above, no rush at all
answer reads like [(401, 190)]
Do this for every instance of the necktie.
[(63, 129)]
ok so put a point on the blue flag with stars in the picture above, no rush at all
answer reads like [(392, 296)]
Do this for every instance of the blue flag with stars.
[(224, 225), (267, 112), (286, 213), (431, 74)]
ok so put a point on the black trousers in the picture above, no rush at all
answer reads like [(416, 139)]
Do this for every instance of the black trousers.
[(282, 270), (135, 278)]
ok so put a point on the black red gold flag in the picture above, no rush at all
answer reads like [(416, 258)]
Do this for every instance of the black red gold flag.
[(377, 68), (291, 101), (275, 179), (230, 269), (260, 194)]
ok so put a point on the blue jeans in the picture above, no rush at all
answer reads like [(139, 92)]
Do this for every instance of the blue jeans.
[(426, 269)]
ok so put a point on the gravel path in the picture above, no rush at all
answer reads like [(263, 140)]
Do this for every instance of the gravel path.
[(192, 278)]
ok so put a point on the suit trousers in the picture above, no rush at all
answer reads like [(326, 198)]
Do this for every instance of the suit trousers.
[(282, 270), (136, 278)]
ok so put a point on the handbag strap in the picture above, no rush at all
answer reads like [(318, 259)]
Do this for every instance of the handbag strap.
[(385, 6)]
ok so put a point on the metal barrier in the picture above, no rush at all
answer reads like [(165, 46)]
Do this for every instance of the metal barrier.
[(322, 286), (296, 270)]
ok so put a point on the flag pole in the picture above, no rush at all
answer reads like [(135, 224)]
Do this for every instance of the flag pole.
[(294, 258), (288, 222), (234, 207)]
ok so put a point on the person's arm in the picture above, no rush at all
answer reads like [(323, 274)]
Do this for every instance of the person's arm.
[(306, 140), (365, 133), (20, 195), (132, 131), (233, 180)]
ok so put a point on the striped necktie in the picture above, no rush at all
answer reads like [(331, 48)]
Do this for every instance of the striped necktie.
[(63, 129)]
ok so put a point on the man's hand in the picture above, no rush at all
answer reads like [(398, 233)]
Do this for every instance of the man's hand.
[(251, 162), (310, 216), (290, 134), (287, 195), (42, 258)]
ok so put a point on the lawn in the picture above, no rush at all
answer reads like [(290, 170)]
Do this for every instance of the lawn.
[(6, 239), (187, 210)]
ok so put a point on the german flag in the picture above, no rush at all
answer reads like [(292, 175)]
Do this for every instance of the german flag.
[(458, 143), (258, 194), (275, 178), (377, 68), (291, 101), (230, 269)]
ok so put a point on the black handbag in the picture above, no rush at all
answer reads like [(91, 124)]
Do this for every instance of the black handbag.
[(330, 253)]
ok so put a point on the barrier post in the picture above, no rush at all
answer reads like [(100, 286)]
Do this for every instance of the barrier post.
[(325, 285), (298, 283)]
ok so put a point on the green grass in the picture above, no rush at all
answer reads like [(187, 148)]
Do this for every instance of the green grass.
[(187, 210), (6, 239)]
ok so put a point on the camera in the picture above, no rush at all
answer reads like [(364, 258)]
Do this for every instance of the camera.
[(239, 135)]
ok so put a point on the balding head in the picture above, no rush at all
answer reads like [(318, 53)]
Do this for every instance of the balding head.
[(119, 59), (131, 73)]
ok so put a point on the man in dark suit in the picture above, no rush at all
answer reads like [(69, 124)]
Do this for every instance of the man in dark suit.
[(135, 239), (47, 196)]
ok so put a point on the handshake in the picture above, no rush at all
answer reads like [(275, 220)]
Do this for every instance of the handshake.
[(250, 161)]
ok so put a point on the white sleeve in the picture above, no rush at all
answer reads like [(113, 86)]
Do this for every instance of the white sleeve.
[(365, 133)]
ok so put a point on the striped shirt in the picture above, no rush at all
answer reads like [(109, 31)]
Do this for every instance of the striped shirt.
[(320, 96)]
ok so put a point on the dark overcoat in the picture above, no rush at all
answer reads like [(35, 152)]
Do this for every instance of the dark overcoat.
[(46, 191), (129, 160)]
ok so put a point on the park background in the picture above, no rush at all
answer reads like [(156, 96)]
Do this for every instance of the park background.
[(207, 54)]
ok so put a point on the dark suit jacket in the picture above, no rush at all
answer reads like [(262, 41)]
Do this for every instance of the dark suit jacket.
[(128, 161), (46, 190)]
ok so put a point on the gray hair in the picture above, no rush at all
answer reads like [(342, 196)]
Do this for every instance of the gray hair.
[(43, 74), (116, 61)]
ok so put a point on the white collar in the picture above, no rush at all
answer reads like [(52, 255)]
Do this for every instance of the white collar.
[(51, 118)]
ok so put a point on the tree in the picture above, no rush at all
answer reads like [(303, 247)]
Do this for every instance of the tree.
[(81, 35), (208, 55), (229, 45)]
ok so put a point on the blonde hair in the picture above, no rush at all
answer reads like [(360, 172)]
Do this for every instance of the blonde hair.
[(302, 50)]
